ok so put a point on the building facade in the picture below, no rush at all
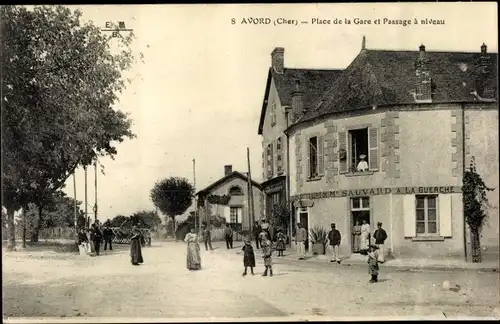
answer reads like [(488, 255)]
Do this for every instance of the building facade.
[(274, 120), (228, 198), (389, 142)]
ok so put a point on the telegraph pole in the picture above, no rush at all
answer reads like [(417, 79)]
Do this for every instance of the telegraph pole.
[(195, 200), (95, 184), (250, 195), (87, 220)]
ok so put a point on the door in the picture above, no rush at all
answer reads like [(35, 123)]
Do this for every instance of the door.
[(360, 214), (304, 221)]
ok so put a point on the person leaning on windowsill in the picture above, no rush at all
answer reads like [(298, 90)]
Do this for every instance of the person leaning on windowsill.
[(362, 165)]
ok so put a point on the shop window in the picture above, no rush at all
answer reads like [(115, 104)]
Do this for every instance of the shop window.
[(426, 215)]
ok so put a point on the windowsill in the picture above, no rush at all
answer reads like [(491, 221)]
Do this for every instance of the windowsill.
[(357, 174), (427, 239), (314, 178)]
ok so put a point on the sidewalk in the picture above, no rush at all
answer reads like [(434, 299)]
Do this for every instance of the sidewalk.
[(402, 264)]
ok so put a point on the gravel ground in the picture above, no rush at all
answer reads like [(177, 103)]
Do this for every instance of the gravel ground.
[(49, 284)]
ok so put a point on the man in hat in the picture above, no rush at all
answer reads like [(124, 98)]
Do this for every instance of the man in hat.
[(334, 238), (380, 236), (362, 165)]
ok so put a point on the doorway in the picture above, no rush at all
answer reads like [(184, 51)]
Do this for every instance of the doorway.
[(360, 212), (304, 221)]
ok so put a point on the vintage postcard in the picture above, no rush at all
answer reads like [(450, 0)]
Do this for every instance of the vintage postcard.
[(250, 162)]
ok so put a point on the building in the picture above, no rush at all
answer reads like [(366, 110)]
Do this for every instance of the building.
[(276, 105), (417, 117), (228, 198)]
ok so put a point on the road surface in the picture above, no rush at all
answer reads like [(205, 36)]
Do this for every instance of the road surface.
[(47, 284)]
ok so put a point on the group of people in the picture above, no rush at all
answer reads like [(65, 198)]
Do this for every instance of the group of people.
[(96, 234)]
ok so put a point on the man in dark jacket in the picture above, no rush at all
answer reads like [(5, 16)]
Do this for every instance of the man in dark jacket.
[(96, 237), (228, 233), (108, 234), (257, 229), (207, 238), (334, 238), (380, 236)]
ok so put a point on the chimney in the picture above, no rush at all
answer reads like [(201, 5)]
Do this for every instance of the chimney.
[(363, 43), (228, 169), (423, 91), (482, 67), (278, 59), (297, 101)]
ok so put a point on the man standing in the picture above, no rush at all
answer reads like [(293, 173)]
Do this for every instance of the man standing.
[(256, 233), (107, 234), (229, 236), (207, 238), (265, 227), (334, 238), (380, 236), (300, 240), (96, 237)]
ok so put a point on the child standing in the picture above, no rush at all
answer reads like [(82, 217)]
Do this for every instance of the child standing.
[(267, 251), (280, 245), (373, 263), (248, 257)]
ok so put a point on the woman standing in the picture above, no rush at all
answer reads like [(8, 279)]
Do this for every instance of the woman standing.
[(135, 247), (365, 237), (356, 232), (193, 251), (280, 245)]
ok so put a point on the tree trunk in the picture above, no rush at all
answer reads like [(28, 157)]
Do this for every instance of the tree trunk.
[(36, 230), (24, 228), (475, 246), (174, 229), (11, 244)]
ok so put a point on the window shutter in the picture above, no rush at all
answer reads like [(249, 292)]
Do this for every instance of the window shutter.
[(276, 153), (321, 159), (240, 215), (308, 158), (409, 212), (444, 219), (263, 163), (227, 213), (373, 148), (343, 147), (272, 159)]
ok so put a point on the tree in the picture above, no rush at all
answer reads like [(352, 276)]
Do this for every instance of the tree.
[(118, 221), (475, 203), (172, 196), (59, 84), (149, 219)]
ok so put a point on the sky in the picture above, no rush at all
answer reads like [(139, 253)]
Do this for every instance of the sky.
[(199, 92)]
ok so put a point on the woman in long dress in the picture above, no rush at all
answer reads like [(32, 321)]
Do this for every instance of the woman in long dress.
[(135, 247), (356, 232), (365, 237), (193, 251)]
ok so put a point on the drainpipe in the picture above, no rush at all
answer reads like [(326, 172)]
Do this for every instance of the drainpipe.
[(463, 175), (289, 203)]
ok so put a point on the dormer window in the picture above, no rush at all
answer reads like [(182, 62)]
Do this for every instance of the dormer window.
[(235, 191)]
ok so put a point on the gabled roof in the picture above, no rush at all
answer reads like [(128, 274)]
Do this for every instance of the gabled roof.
[(230, 176), (313, 81), (382, 77)]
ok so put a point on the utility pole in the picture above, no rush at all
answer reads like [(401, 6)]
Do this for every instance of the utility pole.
[(75, 214), (195, 200), (87, 220), (251, 215), (95, 198)]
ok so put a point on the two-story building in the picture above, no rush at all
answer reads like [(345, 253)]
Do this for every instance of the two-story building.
[(389, 141), (276, 106), (228, 197)]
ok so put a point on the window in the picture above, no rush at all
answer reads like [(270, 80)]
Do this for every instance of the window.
[(236, 191), (233, 215), (273, 114), (313, 157), (360, 203), (426, 215), (270, 167), (358, 147), (279, 156)]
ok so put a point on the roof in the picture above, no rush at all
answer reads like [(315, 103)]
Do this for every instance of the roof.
[(314, 82), (227, 178), (383, 77)]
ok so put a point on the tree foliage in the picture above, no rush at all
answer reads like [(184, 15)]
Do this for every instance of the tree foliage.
[(474, 198), (60, 81), (142, 218), (172, 196)]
